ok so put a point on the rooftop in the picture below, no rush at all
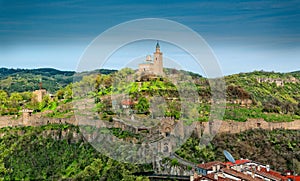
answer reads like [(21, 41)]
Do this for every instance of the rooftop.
[(239, 174), (270, 174), (237, 162), (209, 165)]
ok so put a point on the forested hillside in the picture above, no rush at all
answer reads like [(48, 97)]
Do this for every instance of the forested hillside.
[(267, 90), (57, 152), (274, 96), (268, 95), (21, 80)]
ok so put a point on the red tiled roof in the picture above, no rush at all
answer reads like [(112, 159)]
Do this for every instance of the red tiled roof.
[(272, 174), (237, 162), (211, 176), (239, 174), (127, 102), (209, 165), (294, 178), (263, 172)]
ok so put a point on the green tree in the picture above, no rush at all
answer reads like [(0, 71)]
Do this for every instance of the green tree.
[(34, 104), (100, 107), (45, 102), (4, 153), (3, 102), (26, 96), (3, 97), (174, 162), (68, 93), (15, 100), (60, 94), (173, 110), (92, 171), (142, 106)]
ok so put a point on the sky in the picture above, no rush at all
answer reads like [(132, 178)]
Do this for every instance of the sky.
[(244, 35)]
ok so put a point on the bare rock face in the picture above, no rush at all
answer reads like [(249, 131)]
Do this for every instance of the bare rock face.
[(166, 167)]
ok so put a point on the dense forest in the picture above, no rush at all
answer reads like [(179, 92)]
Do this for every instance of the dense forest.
[(59, 152), (52, 152), (23, 80)]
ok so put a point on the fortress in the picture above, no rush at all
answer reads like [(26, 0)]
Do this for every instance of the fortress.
[(152, 66), (167, 128), (163, 136)]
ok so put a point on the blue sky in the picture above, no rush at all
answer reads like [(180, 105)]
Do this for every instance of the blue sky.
[(245, 35)]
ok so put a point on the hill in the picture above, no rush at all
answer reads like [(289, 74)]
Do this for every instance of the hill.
[(268, 95), (277, 95), (261, 85), (21, 80)]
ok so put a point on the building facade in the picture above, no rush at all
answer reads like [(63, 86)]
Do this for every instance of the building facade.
[(153, 66), (39, 94)]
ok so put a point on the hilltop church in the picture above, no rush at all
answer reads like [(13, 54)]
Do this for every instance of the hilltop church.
[(153, 66)]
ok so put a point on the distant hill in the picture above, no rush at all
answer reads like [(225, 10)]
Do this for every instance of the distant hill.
[(267, 89), (296, 72), (4, 72), (20, 80)]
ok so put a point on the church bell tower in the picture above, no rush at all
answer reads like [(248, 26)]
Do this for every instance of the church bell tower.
[(158, 61)]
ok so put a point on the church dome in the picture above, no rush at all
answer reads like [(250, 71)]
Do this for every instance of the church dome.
[(148, 58)]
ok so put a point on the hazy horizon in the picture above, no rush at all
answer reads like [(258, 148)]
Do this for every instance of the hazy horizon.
[(137, 69)]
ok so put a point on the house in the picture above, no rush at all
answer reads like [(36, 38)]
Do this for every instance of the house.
[(242, 169), (210, 167), (127, 103)]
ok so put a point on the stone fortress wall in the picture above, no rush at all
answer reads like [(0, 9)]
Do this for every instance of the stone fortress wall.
[(237, 127), (29, 119)]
